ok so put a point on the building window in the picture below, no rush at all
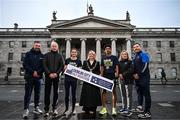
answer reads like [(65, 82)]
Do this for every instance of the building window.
[(173, 56), (171, 44), (159, 57), (24, 44), (158, 44), (9, 71), (22, 71), (48, 44), (174, 72), (22, 56), (11, 44), (145, 44), (10, 56)]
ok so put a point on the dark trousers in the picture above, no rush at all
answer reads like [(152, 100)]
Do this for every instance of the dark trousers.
[(73, 85), (29, 85), (163, 80), (143, 92), (48, 83)]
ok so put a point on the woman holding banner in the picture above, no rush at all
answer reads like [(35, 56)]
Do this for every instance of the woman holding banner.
[(71, 82), (90, 94)]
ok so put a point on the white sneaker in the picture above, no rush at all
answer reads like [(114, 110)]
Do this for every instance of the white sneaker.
[(55, 112), (114, 113), (26, 114), (144, 116), (37, 110), (74, 112), (46, 114), (139, 109), (66, 112)]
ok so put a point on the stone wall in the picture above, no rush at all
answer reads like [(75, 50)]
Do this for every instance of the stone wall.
[(137, 36)]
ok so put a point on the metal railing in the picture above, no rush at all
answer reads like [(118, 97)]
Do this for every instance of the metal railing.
[(23, 30), (175, 29), (165, 29)]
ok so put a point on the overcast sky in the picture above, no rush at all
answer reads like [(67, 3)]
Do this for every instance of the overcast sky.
[(38, 13)]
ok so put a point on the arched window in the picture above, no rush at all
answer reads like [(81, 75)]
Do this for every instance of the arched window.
[(159, 72), (174, 72)]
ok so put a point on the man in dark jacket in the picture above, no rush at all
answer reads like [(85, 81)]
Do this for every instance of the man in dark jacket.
[(142, 80), (53, 66), (33, 65)]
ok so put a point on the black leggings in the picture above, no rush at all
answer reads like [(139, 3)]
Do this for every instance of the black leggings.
[(73, 84)]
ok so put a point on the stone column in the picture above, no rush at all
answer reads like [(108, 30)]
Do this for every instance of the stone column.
[(98, 49), (128, 46), (113, 45), (68, 47), (83, 49)]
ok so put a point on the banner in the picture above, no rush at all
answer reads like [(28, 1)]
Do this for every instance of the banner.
[(89, 77)]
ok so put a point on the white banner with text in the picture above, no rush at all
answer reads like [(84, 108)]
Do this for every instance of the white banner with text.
[(89, 77)]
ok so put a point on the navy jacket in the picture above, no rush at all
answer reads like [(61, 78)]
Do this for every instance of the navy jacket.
[(33, 61), (141, 67), (141, 63)]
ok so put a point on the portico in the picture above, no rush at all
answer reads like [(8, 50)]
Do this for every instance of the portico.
[(92, 33)]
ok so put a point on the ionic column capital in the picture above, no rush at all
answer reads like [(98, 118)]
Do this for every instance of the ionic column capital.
[(83, 39), (113, 39), (128, 39), (98, 39), (68, 39)]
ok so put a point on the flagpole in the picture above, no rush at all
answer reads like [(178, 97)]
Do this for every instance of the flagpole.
[(87, 7)]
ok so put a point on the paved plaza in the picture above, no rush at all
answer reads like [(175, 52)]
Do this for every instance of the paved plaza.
[(165, 104)]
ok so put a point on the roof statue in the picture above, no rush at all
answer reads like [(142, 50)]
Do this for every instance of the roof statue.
[(54, 15), (91, 10), (15, 25), (127, 16)]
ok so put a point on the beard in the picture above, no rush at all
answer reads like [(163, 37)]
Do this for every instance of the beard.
[(37, 49), (108, 52)]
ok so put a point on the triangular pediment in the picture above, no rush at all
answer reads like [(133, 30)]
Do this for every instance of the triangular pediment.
[(90, 22)]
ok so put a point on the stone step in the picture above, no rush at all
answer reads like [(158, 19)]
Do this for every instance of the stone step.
[(169, 82)]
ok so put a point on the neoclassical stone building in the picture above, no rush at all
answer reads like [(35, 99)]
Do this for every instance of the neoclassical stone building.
[(91, 32)]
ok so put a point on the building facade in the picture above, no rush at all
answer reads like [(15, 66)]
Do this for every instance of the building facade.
[(91, 33)]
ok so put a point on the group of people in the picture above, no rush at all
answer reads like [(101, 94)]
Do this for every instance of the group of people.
[(123, 70)]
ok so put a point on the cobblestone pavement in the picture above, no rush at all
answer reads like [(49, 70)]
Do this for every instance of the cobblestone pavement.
[(165, 104)]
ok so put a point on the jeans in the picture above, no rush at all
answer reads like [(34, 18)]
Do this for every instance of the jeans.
[(29, 85)]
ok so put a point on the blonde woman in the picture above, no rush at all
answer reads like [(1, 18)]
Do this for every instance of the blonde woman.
[(90, 94), (126, 82)]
